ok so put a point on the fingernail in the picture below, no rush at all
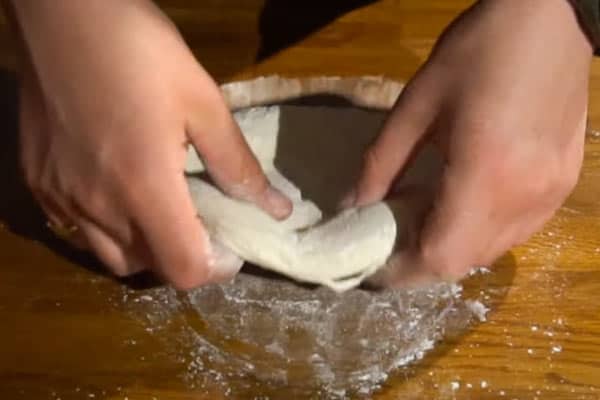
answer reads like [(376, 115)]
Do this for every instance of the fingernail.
[(277, 204), (349, 200)]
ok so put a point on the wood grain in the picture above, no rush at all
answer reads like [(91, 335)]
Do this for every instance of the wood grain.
[(64, 334)]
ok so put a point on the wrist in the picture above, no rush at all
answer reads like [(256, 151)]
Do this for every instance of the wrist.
[(555, 20)]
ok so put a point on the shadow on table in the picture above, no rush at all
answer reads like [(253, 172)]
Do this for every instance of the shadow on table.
[(18, 209), (284, 23), (257, 30)]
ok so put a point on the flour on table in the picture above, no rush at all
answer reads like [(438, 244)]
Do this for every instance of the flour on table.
[(314, 244)]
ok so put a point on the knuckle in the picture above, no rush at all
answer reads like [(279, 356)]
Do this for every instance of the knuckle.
[(553, 180), (250, 186), (535, 176), (92, 201)]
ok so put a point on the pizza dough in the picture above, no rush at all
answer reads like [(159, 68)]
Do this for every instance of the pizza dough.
[(338, 251)]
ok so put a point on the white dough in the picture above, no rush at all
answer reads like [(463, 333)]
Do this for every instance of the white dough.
[(339, 252)]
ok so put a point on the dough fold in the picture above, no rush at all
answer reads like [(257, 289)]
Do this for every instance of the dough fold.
[(338, 252)]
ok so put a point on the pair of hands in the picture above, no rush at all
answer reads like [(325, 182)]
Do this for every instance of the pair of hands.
[(109, 104)]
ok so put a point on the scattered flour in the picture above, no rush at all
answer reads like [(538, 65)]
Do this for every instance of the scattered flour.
[(258, 333), (556, 349), (478, 309)]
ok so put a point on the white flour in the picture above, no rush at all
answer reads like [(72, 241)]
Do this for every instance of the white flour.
[(256, 334)]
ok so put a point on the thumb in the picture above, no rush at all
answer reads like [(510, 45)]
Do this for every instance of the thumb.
[(230, 162), (401, 134)]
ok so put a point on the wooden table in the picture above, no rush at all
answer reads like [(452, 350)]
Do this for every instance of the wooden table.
[(63, 334)]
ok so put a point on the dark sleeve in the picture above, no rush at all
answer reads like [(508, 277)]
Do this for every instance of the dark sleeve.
[(588, 12)]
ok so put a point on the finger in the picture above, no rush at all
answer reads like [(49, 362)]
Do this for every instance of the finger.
[(385, 158), (106, 232), (410, 206), (230, 161), (463, 228), (108, 250), (89, 235), (173, 233), (59, 217)]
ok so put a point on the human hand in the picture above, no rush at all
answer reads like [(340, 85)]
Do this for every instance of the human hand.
[(504, 96), (109, 103)]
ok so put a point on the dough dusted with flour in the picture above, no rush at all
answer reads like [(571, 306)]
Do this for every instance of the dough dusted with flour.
[(338, 251)]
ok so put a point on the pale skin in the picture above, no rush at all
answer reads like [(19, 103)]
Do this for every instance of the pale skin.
[(109, 104), (504, 95)]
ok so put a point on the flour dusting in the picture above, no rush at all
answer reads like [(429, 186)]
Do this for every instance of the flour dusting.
[(257, 333)]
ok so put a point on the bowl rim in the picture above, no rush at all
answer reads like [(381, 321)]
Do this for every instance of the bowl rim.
[(376, 92)]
